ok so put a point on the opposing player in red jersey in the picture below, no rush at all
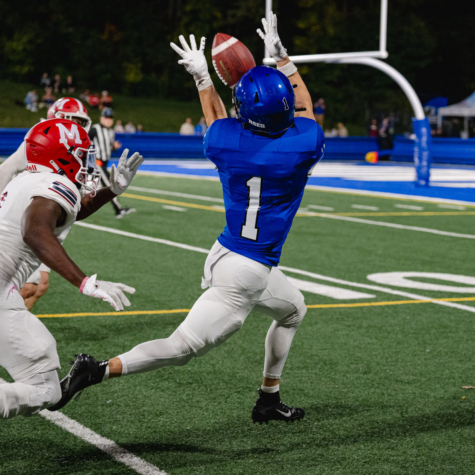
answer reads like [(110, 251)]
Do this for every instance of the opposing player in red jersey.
[(36, 208)]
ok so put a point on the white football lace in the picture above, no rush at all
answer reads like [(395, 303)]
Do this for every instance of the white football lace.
[(218, 73)]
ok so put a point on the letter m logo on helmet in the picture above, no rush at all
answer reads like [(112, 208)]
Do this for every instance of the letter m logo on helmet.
[(66, 134)]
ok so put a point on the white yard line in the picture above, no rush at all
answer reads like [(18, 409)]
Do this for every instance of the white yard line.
[(322, 208), (451, 206), (393, 225), (173, 208), (108, 446), (289, 269), (415, 208), (371, 208), (173, 193)]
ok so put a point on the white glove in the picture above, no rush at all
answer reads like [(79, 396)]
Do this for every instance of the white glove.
[(125, 171), (194, 61), (108, 291), (271, 38)]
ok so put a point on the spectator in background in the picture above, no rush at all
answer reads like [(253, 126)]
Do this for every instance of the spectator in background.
[(70, 86), (31, 100), (84, 96), (373, 128), (201, 127), (119, 128), (48, 98), (342, 130), (319, 111), (57, 83), (105, 100), (45, 81), (331, 132), (129, 128), (187, 128), (139, 129), (94, 100), (385, 141)]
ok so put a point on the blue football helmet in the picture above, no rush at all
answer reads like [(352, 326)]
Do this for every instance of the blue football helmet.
[(265, 101)]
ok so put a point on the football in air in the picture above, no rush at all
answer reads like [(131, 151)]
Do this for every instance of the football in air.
[(231, 58)]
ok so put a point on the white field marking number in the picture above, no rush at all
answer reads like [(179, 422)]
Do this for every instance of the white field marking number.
[(249, 229), (403, 279)]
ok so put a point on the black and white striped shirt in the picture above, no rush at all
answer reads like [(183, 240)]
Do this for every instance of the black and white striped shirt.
[(103, 139)]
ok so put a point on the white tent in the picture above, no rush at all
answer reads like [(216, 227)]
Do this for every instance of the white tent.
[(464, 109)]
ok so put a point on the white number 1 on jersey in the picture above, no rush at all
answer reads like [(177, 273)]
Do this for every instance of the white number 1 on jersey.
[(249, 230)]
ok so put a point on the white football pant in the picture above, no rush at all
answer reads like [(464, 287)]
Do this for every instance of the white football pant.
[(237, 286), (28, 353)]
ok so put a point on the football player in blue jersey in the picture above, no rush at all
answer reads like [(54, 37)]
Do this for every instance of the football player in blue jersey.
[(263, 157)]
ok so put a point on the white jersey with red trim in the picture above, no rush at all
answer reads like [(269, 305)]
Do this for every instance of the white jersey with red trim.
[(13, 165), (17, 260)]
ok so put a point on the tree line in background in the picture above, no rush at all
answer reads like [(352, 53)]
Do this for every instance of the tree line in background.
[(123, 46)]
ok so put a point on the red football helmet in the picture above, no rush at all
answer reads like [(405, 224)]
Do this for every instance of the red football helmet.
[(62, 146), (71, 109)]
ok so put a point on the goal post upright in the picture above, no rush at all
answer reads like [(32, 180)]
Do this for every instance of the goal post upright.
[(421, 126)]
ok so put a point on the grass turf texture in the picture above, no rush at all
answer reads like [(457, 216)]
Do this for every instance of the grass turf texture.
[(381, 385)]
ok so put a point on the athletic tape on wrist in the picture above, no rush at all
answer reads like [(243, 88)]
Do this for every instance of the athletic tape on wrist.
[(204, 82), (288, 69), (83, 284)]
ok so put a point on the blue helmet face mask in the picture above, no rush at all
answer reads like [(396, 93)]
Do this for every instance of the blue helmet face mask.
[(264, 101)]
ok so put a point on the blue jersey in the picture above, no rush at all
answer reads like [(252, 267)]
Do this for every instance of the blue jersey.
[(263, 182)]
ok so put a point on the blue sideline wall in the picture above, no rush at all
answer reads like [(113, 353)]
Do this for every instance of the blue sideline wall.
[(162, 145)]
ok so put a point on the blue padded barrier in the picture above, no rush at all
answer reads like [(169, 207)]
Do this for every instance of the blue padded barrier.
[(164, 145)]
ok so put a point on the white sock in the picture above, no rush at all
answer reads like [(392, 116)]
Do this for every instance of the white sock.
[(270, 389)]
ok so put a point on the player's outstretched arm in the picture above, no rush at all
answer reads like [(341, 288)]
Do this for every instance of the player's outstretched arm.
[(39, 221), (195, 63), (120, 178), (303, 101)]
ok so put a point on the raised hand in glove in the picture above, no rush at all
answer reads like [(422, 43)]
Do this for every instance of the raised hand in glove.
[(125, 171), (108, 291), (271, 38), (194, 60)]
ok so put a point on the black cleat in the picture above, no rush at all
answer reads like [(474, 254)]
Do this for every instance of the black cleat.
[(265, 411), (85, 371)]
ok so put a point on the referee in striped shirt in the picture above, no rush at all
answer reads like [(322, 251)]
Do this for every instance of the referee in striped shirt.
[(103, 137)]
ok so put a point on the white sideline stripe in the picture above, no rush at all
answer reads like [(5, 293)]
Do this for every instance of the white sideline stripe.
[(393, 225), (336, 293), (352, 191), (223, 46), (108, 446), (173, 208), (143, 238), (289, 269), (371, 208), (416, 208), (178, 175), (173, 193)]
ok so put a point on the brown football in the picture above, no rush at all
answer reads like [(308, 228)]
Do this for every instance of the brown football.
[(231, 58)]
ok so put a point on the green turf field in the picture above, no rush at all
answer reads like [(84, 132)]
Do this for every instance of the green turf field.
[(380, 381)]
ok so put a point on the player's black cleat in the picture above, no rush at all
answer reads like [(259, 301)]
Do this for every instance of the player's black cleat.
[(85, 371), (269, 407)]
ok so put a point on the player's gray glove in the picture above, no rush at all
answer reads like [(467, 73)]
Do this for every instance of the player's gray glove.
[(125, 171), (194, 61), (271, 38), (108, 291)]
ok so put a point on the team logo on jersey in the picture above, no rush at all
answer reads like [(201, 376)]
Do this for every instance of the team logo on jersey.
[(3, 198), (65, 192)]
